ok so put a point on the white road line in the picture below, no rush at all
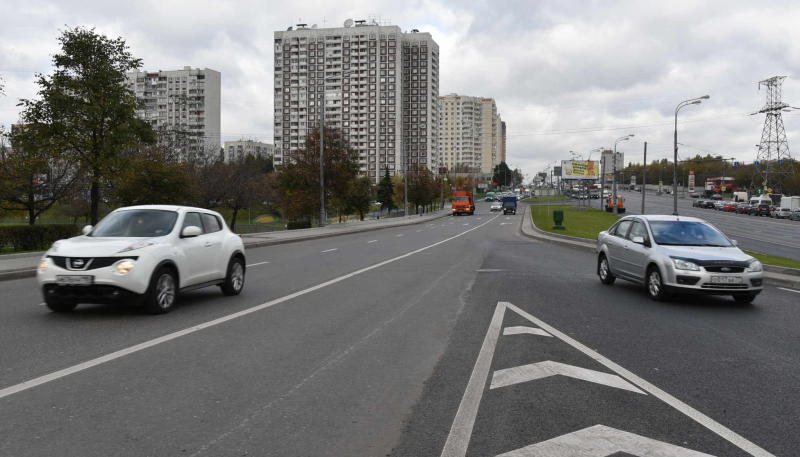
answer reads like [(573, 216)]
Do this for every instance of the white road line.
[(461, 430), (419, 231), (789, 290), (399, 234), (489, 270), (709, 423), (41, 304), (256, 264), (16, 388), (523, 330), (329, 250), (372, 241), (541, 370)]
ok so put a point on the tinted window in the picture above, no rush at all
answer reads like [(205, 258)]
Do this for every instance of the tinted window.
[(136, 223), (192, 219), (686, 233), (622, 228), (211, 223)]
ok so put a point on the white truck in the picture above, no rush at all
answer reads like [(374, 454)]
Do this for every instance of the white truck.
[(740, 196), (792, 203)]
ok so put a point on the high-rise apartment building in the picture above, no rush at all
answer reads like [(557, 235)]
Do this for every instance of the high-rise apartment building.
[(470, 136), (237, 150), (183, 107), (377, 84)]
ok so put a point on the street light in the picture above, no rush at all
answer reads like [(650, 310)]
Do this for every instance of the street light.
[(691, 101), (614, 170), (322, 216)]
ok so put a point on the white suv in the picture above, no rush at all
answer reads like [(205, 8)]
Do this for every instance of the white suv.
[(145, 254)]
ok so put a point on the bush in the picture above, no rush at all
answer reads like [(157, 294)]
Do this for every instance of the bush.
[(35, 237), (294, 225)]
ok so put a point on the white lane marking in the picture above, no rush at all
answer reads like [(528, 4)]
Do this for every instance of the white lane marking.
[(489, 270), (709, 423), (41, 304), (465, 223), (506, 223), (789, 290), (523, 330), (541, 370), (399, 234), (601, 441), (256, 264), (16, 388), (329, 250), (419, 231), (372, 241), (461, 430)]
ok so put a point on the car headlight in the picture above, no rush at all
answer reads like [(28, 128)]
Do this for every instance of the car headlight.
[(125, 266), (139, 245), (755, 266), (44, 264), (681, 264)]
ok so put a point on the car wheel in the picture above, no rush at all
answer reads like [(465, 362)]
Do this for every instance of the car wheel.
[(744, 299), (163, 292), (655, 284), (234, 280), (604, 272), (59, 306)]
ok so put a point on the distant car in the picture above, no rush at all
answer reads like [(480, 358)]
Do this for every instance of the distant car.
[(762, 210), (489, 199), (694, 195), (677, 254), (144, 254), (698, 203), (729, 207), (781, 213), (716, 197), (718, 204), (742, 208), (496, 206), (795, 215), (709, 204)]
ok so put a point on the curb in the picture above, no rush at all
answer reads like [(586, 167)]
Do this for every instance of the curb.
[(31, 272), (776, 276)]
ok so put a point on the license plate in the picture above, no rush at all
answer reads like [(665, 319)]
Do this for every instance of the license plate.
[(726, 279), (74, 280)]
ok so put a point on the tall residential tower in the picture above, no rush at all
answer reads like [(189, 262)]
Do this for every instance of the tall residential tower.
[(380, 86), (471, 133)]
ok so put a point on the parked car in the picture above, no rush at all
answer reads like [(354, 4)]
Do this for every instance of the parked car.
[(698, 203), (742, 208), (795, 215), (694, 195), (729, 207), (762, 210), (708, 204), (781, 213), (716, 197), (496, 206), (718, 204), (143, 254), (677, 254)]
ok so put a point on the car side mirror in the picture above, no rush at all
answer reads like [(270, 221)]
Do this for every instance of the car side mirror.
[(191, 231), (638, 239), (87, 229)]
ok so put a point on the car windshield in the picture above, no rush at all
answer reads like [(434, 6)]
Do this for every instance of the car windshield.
[(461, 199), (687, 233), (136, 223)]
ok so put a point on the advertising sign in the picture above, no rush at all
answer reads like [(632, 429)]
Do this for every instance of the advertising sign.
[(579, 169), (608, 161), (691, 180)]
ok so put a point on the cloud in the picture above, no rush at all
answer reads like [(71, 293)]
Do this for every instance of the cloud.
[(567, 75)]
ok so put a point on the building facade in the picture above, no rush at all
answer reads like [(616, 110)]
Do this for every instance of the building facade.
[(235, 151), (470, 136), (503, 142), (183, 107), (375, 83)]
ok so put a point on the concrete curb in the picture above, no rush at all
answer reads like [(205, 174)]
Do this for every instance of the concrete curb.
[(776, 276), (6, 275)]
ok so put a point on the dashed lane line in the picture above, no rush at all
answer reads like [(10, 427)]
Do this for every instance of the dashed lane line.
[(44, 379), (257, 264), (329, 250), (372, 241), (789, 290)]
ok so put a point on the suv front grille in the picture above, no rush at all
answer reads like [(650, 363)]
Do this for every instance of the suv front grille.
[(724, 269), (86, 263)]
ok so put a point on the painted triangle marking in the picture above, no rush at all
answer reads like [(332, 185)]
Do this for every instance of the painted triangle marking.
[(540, 370), (602, 441), (522, 330)]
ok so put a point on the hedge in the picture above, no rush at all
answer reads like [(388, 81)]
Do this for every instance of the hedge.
[(294, 225), (35, 237)]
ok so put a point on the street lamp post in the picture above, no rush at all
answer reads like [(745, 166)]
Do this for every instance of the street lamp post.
[(614, 170), (691, 101)]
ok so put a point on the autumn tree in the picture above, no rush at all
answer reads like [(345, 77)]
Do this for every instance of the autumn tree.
[(84, 109), (150, 176)]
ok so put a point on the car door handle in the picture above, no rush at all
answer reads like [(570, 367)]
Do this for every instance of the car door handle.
[(209, 244)]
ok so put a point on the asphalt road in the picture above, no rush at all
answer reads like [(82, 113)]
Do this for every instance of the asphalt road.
[(378, 343), (780, 237)]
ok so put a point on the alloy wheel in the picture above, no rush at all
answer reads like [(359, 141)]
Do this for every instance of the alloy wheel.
[(165, 291)]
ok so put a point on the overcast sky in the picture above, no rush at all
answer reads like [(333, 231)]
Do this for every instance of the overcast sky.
[(567, 75)]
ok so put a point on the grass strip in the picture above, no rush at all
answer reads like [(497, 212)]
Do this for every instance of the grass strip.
[(579, 222), (774, 260), (546, 198)]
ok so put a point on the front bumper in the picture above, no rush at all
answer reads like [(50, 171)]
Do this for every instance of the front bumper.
[(699, 282), (135, 282), (90, 294)]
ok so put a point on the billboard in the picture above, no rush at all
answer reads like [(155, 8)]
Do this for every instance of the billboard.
[(579, 169), (691, 181)]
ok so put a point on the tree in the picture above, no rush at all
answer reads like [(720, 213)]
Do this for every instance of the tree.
[(85, 110), (422, 188), (297, 181), (359, 196), (32, 178), (502, 175), (149, 177), (386, 192)]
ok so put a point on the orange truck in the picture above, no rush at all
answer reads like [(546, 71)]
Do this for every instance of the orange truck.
[(463, 203)]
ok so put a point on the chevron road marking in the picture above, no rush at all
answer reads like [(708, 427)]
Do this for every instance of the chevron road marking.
[(602, 441), (521, 330), (540, 370)]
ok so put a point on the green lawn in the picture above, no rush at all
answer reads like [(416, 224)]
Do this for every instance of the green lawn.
[(774, 260), (583, 223), (546, 198)]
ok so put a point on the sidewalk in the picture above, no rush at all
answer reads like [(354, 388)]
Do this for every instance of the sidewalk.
[(776, 276), (14, 266)]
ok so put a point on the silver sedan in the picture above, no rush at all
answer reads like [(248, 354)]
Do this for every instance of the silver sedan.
[(677, 254)]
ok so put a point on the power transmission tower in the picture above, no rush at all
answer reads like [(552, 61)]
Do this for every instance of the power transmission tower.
[(773, 159)]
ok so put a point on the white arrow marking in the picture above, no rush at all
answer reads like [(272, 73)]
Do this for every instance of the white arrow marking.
[(466, 223), (534, 371), (521, 330), (602, 441)]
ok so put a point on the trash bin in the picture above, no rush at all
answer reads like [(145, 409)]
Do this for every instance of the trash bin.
[(558, 219)]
